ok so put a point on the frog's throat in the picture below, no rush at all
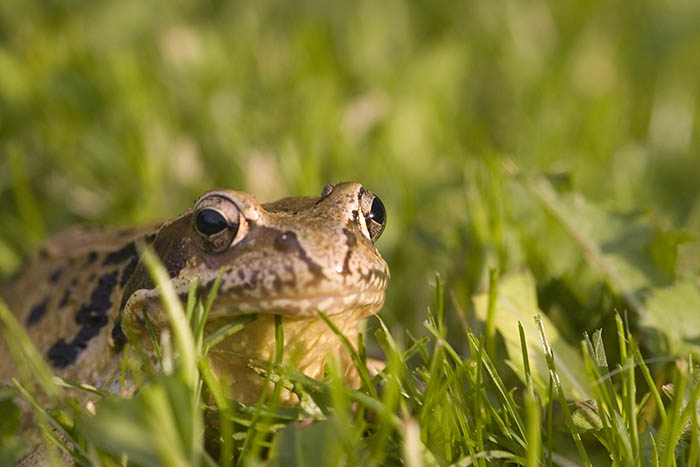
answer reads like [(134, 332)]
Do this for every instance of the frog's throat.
[(308, 343)]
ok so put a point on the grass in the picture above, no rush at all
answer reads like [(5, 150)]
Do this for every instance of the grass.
[(431, 405), (540, 156)]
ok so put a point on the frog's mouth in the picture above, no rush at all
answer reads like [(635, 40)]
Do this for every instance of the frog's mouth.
[(367, 302)]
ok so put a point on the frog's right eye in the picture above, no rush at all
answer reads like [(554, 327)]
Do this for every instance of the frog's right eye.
[(219, 223)]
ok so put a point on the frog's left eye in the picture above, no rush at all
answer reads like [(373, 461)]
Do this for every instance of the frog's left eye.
[(219, 223), (210, 222)]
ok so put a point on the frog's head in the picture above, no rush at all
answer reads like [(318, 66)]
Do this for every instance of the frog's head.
[(291, 257)]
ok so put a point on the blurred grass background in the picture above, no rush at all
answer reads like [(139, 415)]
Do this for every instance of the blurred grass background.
[(118, 112)]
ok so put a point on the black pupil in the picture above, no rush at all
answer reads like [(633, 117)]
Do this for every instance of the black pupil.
[(377, 213), (210, 221)]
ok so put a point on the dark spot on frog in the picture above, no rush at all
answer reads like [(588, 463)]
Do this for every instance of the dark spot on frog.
[(56, 275), (118, 336), (92, 317), (64, 300), (128, 270), (254, 278), (91, 257), (63, 354), (241, 274), (74, 282), (351, 242), (37, 312), (119, 256), (287, 242)]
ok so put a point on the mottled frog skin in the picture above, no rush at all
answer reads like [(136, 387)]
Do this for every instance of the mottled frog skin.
[(291, 257)]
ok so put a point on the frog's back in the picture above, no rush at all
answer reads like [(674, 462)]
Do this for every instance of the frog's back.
[(68, 295)]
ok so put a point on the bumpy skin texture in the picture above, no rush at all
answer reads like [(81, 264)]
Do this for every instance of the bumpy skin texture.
[(290, 257)]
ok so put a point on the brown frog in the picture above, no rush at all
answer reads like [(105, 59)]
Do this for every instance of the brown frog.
[(291, 257)]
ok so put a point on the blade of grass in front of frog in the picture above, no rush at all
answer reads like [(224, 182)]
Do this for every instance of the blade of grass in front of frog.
[(184, 340), (199, 327), (295, 381), (361, 368), (342, 410), (79, 386), (361, 349), (154, 338), (321, 389), (252, 444), (184, 343), (654, 461), (225, 413), (226, 331), (161, 420), (196, 321), (279, 382), (250, 438), (391, 398), (52, 430), (488, 456), (390, 347), (191, 301)]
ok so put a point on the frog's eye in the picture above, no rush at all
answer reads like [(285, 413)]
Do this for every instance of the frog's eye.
[(374, 214), (210, 222), (219, 223)]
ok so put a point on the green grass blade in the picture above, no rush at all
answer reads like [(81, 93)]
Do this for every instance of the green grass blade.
[(184, 340)]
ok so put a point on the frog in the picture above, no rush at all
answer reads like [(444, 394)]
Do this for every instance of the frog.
[(293, 258)]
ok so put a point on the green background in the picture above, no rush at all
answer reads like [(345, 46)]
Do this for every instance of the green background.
[(122, 111)]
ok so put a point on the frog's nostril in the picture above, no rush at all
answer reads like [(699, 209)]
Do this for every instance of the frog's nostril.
[(286, 242)]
